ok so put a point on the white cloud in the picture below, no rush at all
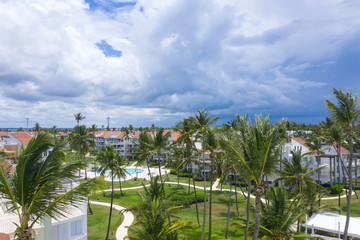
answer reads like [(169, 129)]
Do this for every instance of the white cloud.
[(177, 56)]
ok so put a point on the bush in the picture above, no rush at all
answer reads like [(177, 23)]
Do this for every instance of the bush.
[(335, 189), (187, 200)]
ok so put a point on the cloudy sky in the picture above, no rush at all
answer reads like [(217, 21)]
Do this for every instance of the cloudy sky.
[(151, 61)]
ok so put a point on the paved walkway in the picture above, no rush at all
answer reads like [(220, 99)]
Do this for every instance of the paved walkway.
[(122, 230)]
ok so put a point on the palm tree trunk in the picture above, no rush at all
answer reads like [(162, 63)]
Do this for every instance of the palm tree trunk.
[(163, 186), (356, 175), (350, 187), (318, 165), (147, 163), (204, 220), (236, 199), (248, 207), (178, 185), (120, 186), (196, 202), (338, 158), (241, 189), (210, 199), (331, 183), (111, 204), (257, 216), (189, 184), (91, 212), (228, 215)]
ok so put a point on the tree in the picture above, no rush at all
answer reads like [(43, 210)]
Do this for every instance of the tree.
[(34, 191), (346, 113), (143, 149), (82, 141), (279, 215), (160, 143), (152, 213), (79, 117), (120, 171), (37, 127), (257, 149), (199, 123), (108, 161)]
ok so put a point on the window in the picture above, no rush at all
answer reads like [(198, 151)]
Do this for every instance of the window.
[(59, 232), (76, 228)]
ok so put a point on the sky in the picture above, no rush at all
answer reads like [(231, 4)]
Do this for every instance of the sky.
[(144, 62)]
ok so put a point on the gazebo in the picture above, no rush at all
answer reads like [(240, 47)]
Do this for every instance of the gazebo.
[(332, 223)]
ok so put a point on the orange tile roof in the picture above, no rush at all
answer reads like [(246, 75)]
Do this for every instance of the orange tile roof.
[(4, 236), (23, 137), (136, 134), (175, 136), (301, 141), (4, 134), (8, 168)]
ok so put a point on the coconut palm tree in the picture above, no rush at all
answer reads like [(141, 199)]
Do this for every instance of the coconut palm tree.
[(120, 171), (35, 189), (37, 127), (257, 149), (279, 215), (143, 149), (152, 213), (346, 112), (126, 139), (187, 138), (82, 141), (199, 123), (79, 117), (108, 162), (160, 143)]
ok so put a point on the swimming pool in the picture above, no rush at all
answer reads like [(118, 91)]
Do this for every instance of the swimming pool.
[(130, 171)]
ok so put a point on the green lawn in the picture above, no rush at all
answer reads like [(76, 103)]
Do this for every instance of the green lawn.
[(98, 222), (174, 178)]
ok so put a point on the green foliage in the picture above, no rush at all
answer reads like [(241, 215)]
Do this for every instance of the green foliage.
[(335, 189)]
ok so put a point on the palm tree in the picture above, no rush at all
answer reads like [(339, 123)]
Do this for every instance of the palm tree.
[(160, 143), (315, 143), (126, 138), (186, 138), (346, 113), (296, 175), (37, 127), (199, 123), (257, 149), (79, 117), (279, 215), (34, 191), (82, 141), (152, 213), (143, 149), (120, 171), (108, 161)]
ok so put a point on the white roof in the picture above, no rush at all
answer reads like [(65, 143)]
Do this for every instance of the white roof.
[(329, 222)]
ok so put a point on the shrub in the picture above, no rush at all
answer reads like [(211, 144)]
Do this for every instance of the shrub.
[(187, 200), (335, 189)]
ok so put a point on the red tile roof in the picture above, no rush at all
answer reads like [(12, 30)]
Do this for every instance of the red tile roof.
[(4, 134), (302, 142), (8, 168), (175, 136), (4, 236), (23, 137), (136, 134)]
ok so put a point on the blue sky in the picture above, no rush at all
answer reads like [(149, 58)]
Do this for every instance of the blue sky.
[(151, 61)]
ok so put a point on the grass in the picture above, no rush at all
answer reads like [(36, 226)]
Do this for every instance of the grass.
[(98, 222), (174, 178)]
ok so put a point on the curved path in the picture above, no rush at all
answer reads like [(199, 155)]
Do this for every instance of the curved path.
[(122, 230)]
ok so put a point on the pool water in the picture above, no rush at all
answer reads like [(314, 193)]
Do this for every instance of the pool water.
[(131, 171)]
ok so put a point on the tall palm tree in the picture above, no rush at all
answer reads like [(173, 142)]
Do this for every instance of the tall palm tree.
[(143, 149), (34, 190), (186, 138), (120, 171), (126, 139), (257, 150), (315, 144), (296, 175), (199, 123), (37, 127), (82, 141), (79, 117), (346, 112), (160, 143), (108, 161)]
